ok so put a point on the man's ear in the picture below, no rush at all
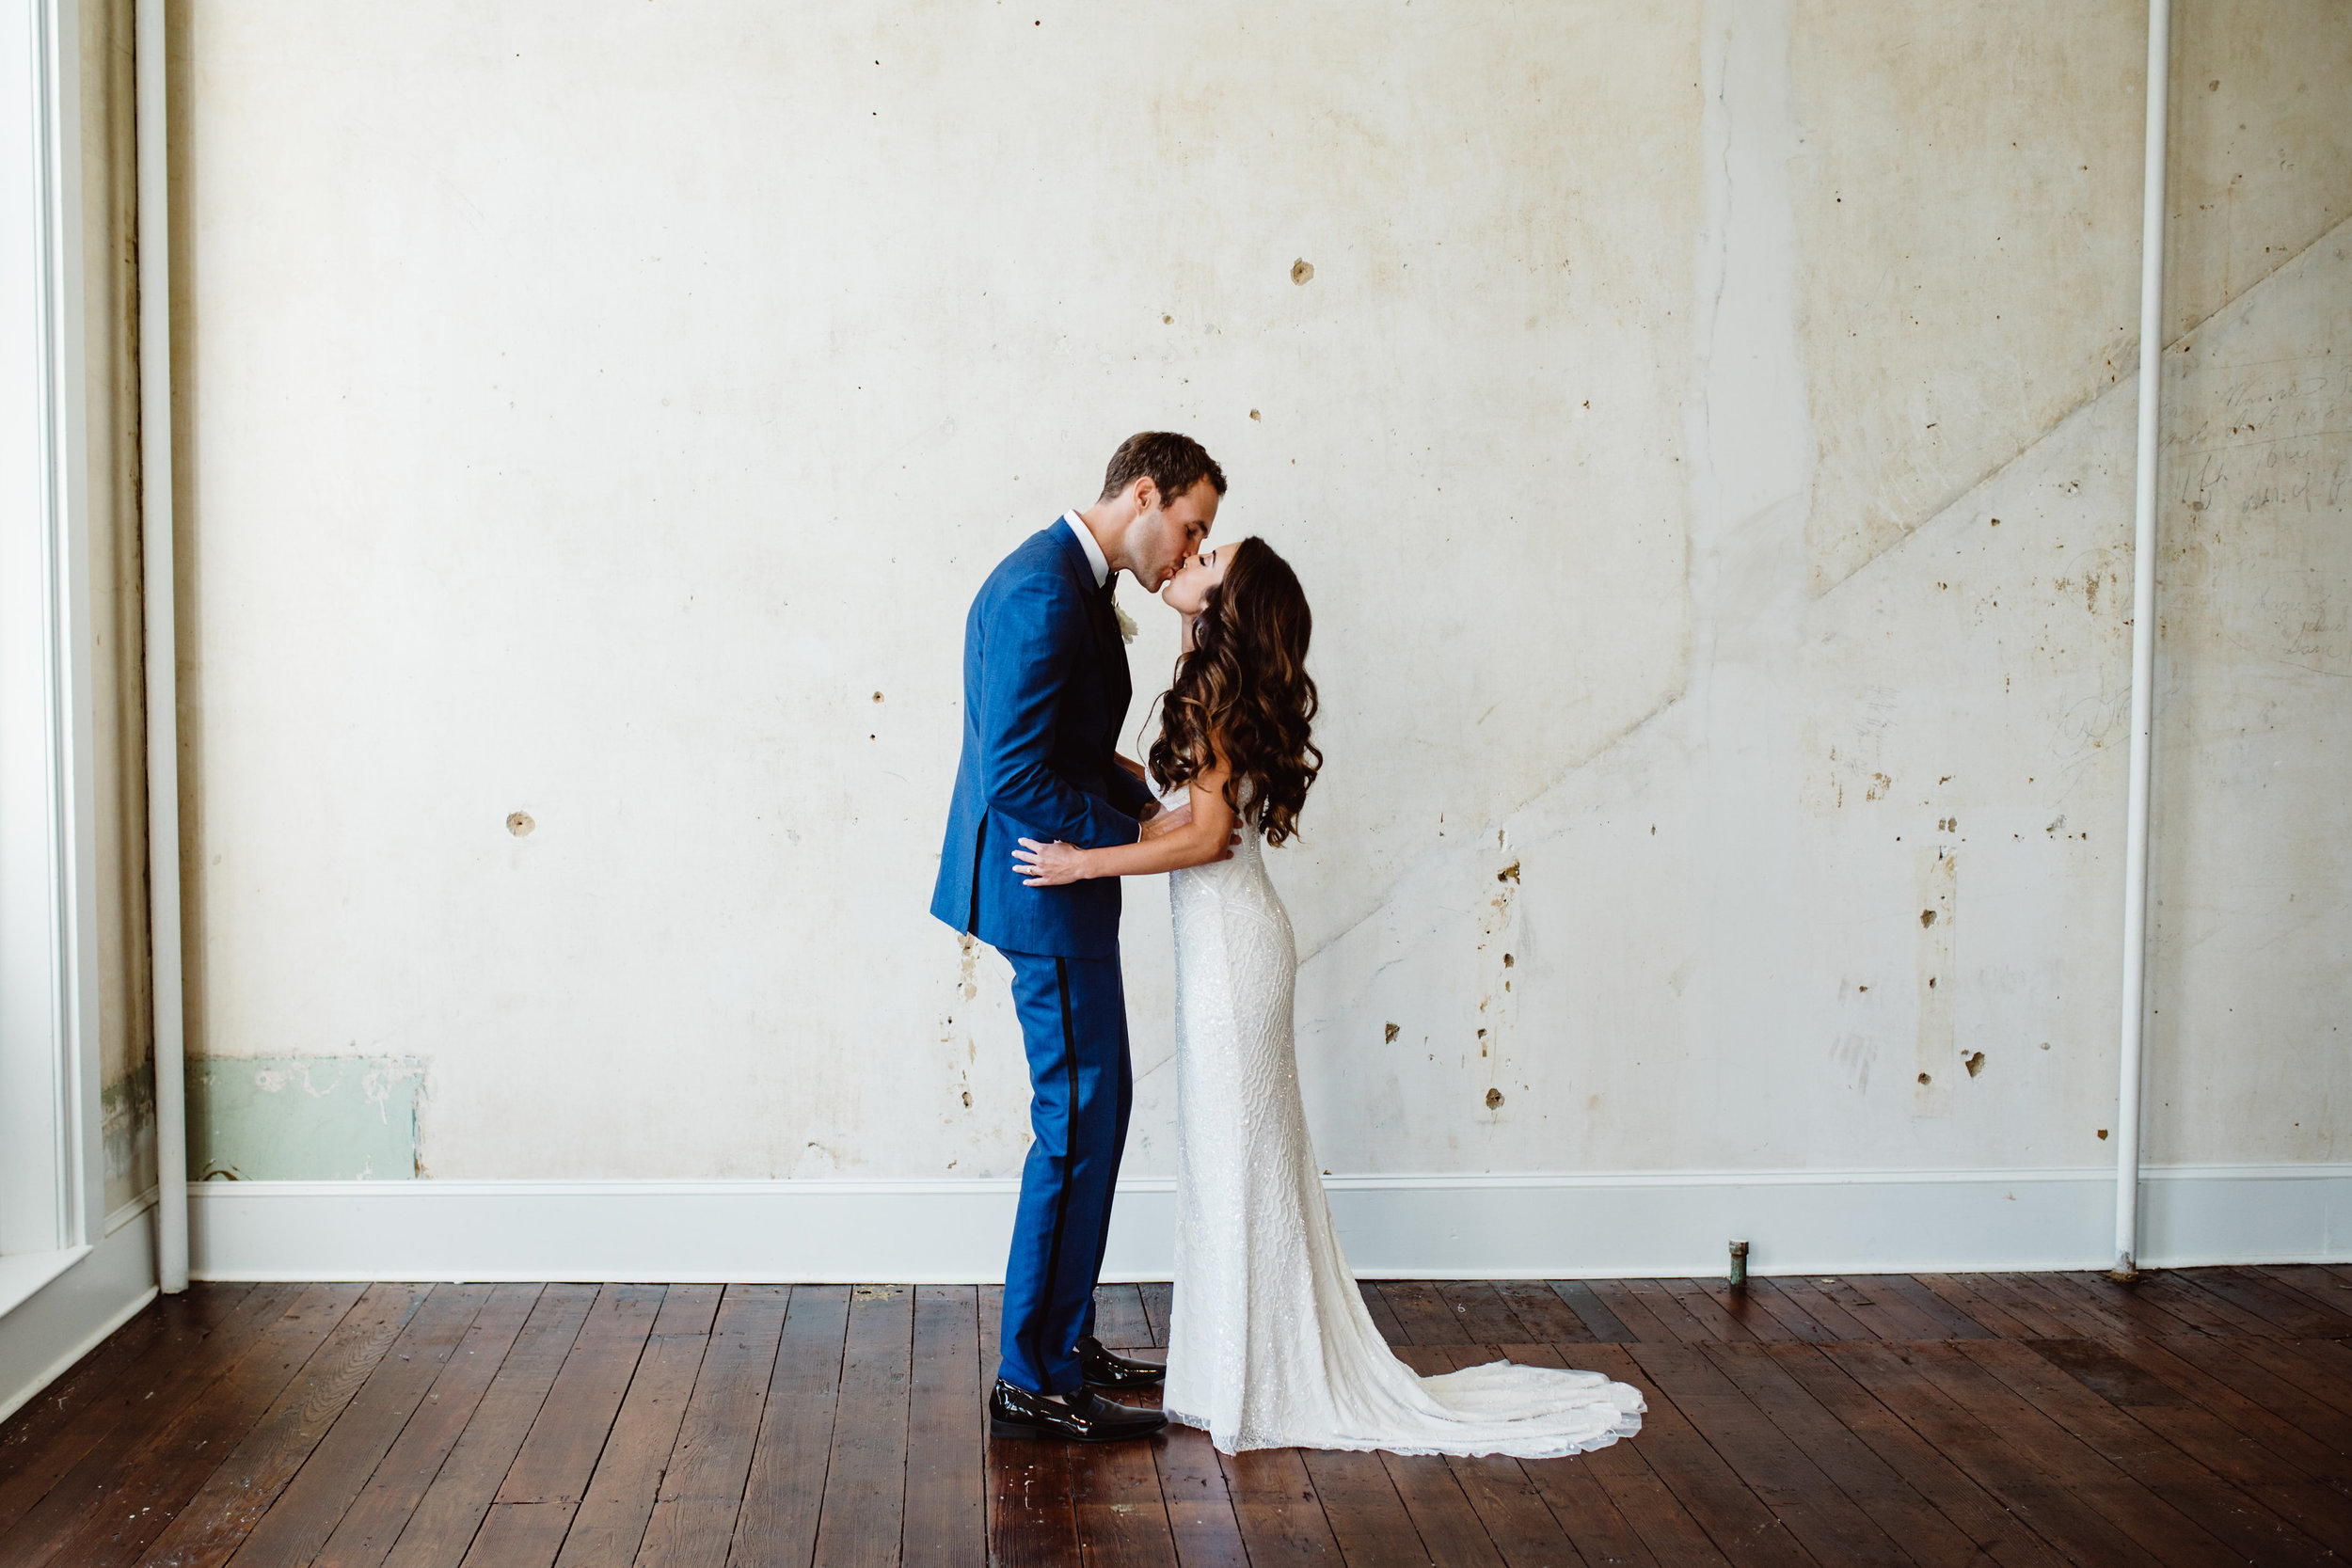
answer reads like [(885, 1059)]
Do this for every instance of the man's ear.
[(1147, 494)]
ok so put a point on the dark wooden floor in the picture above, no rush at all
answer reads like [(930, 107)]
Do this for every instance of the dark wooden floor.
[(2200, 1417)]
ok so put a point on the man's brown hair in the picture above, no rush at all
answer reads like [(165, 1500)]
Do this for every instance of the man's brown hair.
[(1173, 463)]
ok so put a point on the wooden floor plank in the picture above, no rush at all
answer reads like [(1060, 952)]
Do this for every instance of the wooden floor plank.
[(2152, 1521), (1276, 1505), (1922, 1464), (1739, 1523), (1426, 1318), (1805, 1296), (2224, 1359), (200, 1332), (1779, 1307), (865, 1478), (2018, 1479), (1032, 1515), (1442, 1514), (693, 1516), (2230, 1453), (2253, 1532), (365, 1534), (2201, 1309), (627, 1483), (1602, 1325), (1368, 1520), (541, 1495), (124, 1489), (1199, 1511), (1384, 1317), (687, 1311), (2291, 1312), (1115, 1500), (1866, 1478), (1120, 1320), (1882, 1312), (1521, 1524), (216, 1521), (294, 1529), (1950, 1289), (1548, 1320), (1955, 1324), (39, 1424), (2122, 1303), (458, 1494), (947, 1522), (1757, 1322), (1669, 1309), (1617, 1296), (2263, 1422), (2321, 1366), (2076, 1314), (1601, 1530), (1155, 1298), (1803, 1499), (786, 1489), (1485, 1316), (2314, 1283), (1708, 1309)]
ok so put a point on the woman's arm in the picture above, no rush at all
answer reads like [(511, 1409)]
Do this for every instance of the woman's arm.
[(1208, 837)]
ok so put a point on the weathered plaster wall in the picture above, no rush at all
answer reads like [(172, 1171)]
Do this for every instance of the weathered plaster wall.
[(603, 414)]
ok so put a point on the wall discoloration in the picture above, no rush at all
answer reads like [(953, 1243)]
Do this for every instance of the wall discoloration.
[(305, 1119)]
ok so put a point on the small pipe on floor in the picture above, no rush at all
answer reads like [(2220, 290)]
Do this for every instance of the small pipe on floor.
[(1738, 1276), (163, 685)]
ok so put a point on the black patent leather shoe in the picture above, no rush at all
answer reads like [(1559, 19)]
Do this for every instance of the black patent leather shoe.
[(1102, 1370), (1084, 1417)]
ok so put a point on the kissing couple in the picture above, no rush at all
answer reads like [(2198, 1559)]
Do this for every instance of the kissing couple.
[(1269, 1342)]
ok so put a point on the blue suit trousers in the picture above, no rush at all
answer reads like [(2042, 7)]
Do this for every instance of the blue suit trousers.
[(1073, 1022)]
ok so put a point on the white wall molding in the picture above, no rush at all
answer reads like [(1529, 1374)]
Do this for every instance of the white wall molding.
[(1639, 1224), (67, 1318)]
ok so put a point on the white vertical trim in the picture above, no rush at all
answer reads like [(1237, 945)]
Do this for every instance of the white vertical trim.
[(2134, 1007), (83, 1143), (157, 581)]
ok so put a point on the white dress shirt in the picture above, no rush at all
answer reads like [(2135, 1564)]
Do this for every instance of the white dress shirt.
[(1086, 542)]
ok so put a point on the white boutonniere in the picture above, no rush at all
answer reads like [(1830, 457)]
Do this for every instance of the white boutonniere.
[(1126, 623)]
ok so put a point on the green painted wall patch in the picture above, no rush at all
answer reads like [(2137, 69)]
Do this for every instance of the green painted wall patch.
[(304, 1118)]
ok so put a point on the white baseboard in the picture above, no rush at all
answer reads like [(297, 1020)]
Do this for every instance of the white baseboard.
[(67, 1318), (1671, 1224)]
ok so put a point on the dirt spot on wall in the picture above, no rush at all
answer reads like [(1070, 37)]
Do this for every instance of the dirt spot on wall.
[(1974, 1062), (1509, 873), (519, 823), (1302, 272), (1494, 1100), (1388, 1038)]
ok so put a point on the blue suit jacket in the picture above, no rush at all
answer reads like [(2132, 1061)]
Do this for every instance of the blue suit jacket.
[(1045, 690)]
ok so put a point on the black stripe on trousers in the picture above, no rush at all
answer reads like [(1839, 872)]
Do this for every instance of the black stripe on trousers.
[(1061, 1203)]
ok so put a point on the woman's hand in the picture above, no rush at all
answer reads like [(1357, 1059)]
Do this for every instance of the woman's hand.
[(1048, 865)]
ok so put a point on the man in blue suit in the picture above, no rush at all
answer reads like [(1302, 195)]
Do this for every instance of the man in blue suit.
[(1046, 693)]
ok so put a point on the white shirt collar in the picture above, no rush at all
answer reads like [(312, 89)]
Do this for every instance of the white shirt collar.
[(1087, 542)]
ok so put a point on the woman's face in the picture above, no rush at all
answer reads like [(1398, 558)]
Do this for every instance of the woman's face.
[(1188, 589)]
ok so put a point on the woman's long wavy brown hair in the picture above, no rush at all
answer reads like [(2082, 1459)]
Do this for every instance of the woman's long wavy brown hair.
[(1245, 684)]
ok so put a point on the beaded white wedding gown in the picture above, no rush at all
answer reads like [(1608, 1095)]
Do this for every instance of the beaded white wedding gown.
[(1269, 1343)]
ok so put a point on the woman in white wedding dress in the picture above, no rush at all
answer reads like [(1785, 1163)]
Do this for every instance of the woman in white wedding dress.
[(1269, 1342)]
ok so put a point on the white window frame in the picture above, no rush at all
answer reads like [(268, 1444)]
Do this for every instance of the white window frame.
[(52, 1148)]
